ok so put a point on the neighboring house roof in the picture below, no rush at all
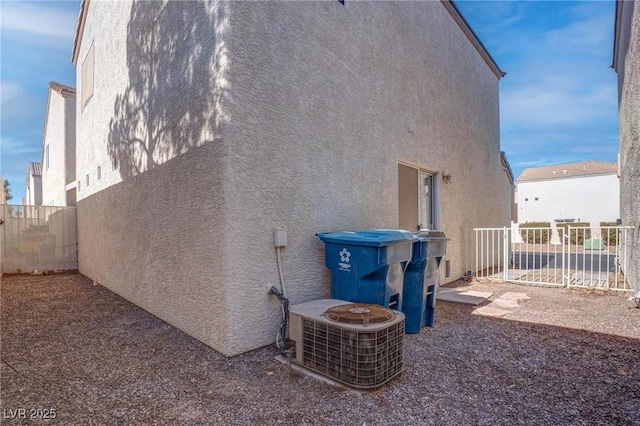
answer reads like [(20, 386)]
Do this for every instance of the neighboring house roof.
[(560, 171), (35, 169), (64, 90), (449, 5)]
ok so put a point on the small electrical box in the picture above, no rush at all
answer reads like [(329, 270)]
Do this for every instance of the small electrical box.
[(280, 237)]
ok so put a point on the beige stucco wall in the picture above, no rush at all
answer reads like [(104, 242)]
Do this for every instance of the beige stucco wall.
[(307, 109), (33, 190), (59, 136), (629, 84)]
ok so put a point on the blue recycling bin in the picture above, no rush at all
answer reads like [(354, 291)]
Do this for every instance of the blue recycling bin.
[(368, 266), (421, 279)]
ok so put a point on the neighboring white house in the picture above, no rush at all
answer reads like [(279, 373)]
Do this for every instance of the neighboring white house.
[(34, 185), (204, 126), (626, 62), (59, 147), (582, 192)]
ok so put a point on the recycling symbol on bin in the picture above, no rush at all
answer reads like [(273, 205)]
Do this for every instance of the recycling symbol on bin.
[(344, 255)]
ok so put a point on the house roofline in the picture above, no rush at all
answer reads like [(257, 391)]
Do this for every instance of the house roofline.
[(507, 167), (449, 6), (63, 89), (616, 35), (614, 173), (66, 92), (77, 39), (453, 10)]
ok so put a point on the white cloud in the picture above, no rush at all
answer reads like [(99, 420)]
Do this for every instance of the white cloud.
[(12, 146), (9, 92), (545, 105), (37, 20), (17, 103), (590, 35)]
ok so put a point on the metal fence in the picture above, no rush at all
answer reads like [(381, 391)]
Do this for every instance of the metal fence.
[(38, 238), (585, 257)]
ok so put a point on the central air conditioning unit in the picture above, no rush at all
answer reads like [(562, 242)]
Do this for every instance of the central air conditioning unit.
[(360, 345)]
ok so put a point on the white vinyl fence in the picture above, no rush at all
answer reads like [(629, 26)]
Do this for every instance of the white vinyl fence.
[(585, 257), (38, 238)]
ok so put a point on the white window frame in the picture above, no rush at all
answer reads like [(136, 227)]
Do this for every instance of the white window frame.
[(87, 74)]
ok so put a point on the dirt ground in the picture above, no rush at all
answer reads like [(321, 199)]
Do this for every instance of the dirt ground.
[(74, 353)]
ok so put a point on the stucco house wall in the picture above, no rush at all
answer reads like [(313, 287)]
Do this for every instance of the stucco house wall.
[(58, 145), (34, 185), (255, 116), (626, 62), (591, 199)]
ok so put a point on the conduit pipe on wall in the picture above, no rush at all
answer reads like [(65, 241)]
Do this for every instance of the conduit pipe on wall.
[(279, 262)]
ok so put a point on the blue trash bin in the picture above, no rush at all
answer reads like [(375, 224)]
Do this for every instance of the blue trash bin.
[(421, 279), (368, 266)]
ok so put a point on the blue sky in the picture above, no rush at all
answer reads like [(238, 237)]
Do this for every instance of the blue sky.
[(558, 101), (36, 39)]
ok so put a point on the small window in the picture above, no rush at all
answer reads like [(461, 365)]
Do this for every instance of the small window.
[(47, 156), (86, 83), (114, 162), (536, 198), (87, 180), (79, 185), (99, 173), (526, 199)]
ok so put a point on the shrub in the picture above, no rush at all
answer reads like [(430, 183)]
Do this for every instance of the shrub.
[(577, 236), (535, 236), (609, 236)]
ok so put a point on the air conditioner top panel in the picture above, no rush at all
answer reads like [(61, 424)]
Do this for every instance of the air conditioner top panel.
[(315, 309)]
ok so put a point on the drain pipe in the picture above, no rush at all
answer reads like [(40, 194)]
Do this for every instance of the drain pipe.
[(280, 274)]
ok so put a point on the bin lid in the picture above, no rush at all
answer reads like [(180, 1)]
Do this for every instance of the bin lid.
[(429, 234), (369, 237)]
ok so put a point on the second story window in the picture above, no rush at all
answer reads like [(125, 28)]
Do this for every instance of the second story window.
[(86, 84), (99, 173), (87, 180), (47, 157)]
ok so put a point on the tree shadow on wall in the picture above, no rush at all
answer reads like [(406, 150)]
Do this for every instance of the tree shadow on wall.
[(176, 83)]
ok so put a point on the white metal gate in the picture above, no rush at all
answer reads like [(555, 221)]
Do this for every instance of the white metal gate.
[(586, 257)]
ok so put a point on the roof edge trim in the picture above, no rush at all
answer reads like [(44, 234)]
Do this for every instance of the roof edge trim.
[(616, 34), (77, 39), (450, 6)]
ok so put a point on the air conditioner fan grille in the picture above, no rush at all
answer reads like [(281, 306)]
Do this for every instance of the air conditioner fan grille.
[(359, 313), (363, 359)]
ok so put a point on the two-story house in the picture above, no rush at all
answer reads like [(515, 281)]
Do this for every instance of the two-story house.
[(59, 147), (33, 185), (203, 126)]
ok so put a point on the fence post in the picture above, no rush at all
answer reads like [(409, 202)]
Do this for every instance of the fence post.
[(505, 254), (564, 264)]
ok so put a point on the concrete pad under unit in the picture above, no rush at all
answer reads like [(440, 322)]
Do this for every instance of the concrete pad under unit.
[(468, 297)]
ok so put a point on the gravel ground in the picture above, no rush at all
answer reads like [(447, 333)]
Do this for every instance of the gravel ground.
[(564, 357)]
